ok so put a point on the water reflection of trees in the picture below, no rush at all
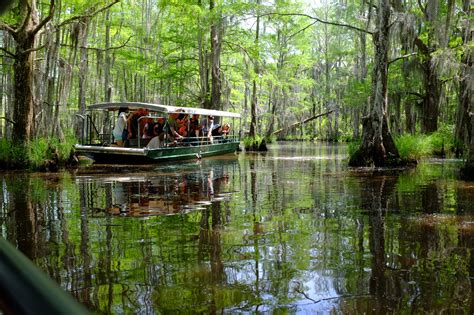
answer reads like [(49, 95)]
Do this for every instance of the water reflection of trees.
[(295, 235), (418, 262), (200, 190)]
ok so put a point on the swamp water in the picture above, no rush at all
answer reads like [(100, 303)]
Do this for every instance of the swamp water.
[(293, 230)]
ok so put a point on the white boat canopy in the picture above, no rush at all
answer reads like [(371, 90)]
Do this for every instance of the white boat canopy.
[(166, 109)]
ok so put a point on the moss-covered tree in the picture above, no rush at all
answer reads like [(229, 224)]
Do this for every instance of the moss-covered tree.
[(377, 147)]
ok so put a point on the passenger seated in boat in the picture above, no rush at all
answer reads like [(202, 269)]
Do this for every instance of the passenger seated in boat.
[(173, 128), (132, 122), (159, 128), (147, 129), (194, 128), (182, 122), (158, 134)]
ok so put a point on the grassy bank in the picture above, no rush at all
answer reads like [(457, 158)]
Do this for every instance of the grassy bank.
[(439, 143), (415, 147), (38, 154)]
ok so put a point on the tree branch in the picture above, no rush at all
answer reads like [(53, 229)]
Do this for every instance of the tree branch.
[(239, 46), (354, 28), (8, 52), (103, 50), (401, 57), (27, 16), (33, 49), (45, 20), (422, 46), (78, 17), (7, 28), (8, 120), (416, 94), (302, 30), (423, 9)]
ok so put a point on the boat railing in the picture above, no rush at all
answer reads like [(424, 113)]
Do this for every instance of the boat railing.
[(187, 141), (90, 133)]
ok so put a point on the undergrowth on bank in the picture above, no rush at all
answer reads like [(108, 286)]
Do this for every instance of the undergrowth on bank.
[(36, 152), (417, 146), (439, 143)]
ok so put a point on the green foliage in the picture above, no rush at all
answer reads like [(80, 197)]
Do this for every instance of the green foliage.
[(39, 151), (413, 146), (12, 155), (418, 146), (271, 139), (358, 93), (36, 152), (252, 141), (442, 141), (353, 146)]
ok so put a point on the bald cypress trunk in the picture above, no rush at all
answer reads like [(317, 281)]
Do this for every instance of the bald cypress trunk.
[(23, 66), (23, 88), (216, 34), (377, 147), (254, 100), (465, 91), (204, 99)]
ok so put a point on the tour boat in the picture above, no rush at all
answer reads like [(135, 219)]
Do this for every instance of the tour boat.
[(98, 142)]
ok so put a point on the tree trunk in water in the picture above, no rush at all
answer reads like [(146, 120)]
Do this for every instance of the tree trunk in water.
[(25, 38), (23, 89), (430, 107), (107, 63), (463, 131), (272, 104), (431, 83), (253, 104), (83, 63), (466, 87), (377, 147)]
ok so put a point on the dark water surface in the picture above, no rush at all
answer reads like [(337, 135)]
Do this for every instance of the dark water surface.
[(293, 230)]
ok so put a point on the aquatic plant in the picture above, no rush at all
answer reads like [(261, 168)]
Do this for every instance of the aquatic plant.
[(256, 143)]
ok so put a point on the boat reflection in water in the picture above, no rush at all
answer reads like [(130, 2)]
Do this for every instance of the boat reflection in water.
[(164, 190)]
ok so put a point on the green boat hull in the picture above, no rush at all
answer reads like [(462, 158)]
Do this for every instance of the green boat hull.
[(118, 155)]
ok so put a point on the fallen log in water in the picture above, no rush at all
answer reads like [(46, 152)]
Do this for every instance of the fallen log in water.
[(301, 122)]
